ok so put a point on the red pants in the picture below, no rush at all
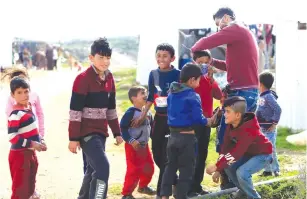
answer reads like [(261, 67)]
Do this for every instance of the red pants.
[(140, 168), (23, 167)]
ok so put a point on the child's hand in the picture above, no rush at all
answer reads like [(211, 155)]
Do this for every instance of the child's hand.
[(211, 169), (216, 177), (38, 146), (119, 140), (272, 128), (136, 145), (73, 146), (44, 143)]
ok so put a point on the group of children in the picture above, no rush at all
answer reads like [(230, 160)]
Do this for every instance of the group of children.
[(179, 130)]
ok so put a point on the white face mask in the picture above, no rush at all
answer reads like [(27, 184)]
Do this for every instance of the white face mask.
[(222, 24)]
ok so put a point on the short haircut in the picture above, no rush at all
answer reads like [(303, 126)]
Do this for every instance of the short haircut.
[(260, 38), (237, 104), (203, 53), (101, 47), (224, 11), (166, 47), (189, 71), (134, 91), (18, 82), (266, 79)]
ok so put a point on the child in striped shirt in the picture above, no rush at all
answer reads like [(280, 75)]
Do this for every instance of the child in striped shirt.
[(25, 140)]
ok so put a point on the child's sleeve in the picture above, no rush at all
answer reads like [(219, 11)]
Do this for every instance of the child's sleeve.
[(125, 125), (151, 88), (197, 113), (9, 106), (40, 117), (111, 112), (272, 102), (13, 127), (216, 91)]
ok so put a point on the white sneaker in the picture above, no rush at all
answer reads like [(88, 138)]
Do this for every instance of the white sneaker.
[(35, 196)]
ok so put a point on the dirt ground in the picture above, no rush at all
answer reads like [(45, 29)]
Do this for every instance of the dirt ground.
[(60, 172)]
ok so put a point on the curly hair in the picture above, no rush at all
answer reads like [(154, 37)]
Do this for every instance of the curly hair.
[(15, 72), (101, 47)]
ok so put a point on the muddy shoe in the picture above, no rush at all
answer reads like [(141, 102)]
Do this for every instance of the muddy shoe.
[(266, 174), (147, 190), (128, 197)]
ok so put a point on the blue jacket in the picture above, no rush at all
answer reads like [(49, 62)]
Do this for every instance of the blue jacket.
[(184, 107)]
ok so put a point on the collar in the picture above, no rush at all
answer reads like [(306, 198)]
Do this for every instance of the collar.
[(265, 92), (96, 72), (172, 68)]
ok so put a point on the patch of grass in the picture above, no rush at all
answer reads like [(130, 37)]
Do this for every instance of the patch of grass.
[(281, 142), (115, 189)]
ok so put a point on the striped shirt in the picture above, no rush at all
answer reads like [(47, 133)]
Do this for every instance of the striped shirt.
[(22, 129), (93, 106)]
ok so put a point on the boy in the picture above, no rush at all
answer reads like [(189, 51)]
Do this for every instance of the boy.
[(245, 149), (25, 140), (158, 86), (184, 111), (140, 165), (268, 115), (207, 90), (92, 109)]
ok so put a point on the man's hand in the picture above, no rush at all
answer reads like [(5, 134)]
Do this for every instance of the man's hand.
[(119, 140), (272, 128), (73, 146), (136, 145), (38, 146), (216, 177), (211, 169)]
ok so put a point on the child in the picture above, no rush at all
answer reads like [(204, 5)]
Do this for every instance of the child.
[(207, 90), (158, 85), (78, 66), (34, 100), (92, 109), (245, 149), (25, 139), (268, 114), (184, 111), (140, 165)]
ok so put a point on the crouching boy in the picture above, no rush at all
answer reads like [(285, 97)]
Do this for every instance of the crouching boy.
[(245, 149)]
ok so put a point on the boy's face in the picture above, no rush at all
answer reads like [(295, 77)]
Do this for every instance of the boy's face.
[(203, 60), (21, 96), (100, 62), (231, 117), (194, 83), (164, 59), (141, 98)]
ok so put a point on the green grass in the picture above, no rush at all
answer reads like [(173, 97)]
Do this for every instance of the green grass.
[(281, 142)]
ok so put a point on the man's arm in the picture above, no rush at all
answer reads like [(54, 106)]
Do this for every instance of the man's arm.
[(151, 92), (77, 102), (125, 125), (111, 112)]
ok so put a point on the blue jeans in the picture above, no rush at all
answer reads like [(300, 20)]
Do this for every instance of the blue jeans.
[(274, 166), (241, 173), (251, 97)]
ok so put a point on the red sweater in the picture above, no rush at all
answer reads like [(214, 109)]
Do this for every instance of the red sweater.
[(245, 140), (241, 55), (207, 91), (92, 106)]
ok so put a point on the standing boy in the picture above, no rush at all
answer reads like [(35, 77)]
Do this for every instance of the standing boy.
[(92, 109), (158, 85), (140, 165)]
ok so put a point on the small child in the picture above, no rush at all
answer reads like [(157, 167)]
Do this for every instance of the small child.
[(268, 114), (25, 140), (245, 149), (34, 100), (140, 165), (184, 112)]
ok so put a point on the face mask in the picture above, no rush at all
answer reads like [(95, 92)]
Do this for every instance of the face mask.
[(204, 68), (222, 24)]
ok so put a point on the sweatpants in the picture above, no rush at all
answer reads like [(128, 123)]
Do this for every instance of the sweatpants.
[(84, 162), (181, 156), (159, 142), (140, 168), (203, 138), (23, 168), (95, 181)]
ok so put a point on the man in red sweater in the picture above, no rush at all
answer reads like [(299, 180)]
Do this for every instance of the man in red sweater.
[(207, 90), (245, 150)]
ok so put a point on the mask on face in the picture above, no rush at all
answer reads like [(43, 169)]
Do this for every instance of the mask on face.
[(222, 24), (204, 68)]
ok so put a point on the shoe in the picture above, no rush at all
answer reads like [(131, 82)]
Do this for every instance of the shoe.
[(266, 174), (277, 173), (237, 195), (128, 197), (147, 190), (35, 195), (229, 185)]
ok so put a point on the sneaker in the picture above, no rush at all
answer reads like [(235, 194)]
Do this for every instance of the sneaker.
[(35, 195), (266, 174), (147, 190), (128, 197), (277, 173), (237, 195)]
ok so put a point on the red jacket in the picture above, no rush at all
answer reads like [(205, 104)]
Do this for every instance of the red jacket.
[(245, 140), (241, 55), (207, 91)]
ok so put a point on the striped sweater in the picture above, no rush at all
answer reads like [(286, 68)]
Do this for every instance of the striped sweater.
[(92, 106), (22, 129)]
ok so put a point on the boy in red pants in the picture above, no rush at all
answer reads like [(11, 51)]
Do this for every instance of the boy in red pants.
[(140, 165)]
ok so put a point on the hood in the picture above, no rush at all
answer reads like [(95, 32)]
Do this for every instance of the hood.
[(275, 94), (178, 87)]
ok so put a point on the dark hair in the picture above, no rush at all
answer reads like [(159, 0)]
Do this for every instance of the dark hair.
[(166, 47), (260, 37), (189, 71), (267, 79), (18, 82), (224, 11), (203, 53), (15, 72), (134, 91), (236, 103), (101, 47)]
